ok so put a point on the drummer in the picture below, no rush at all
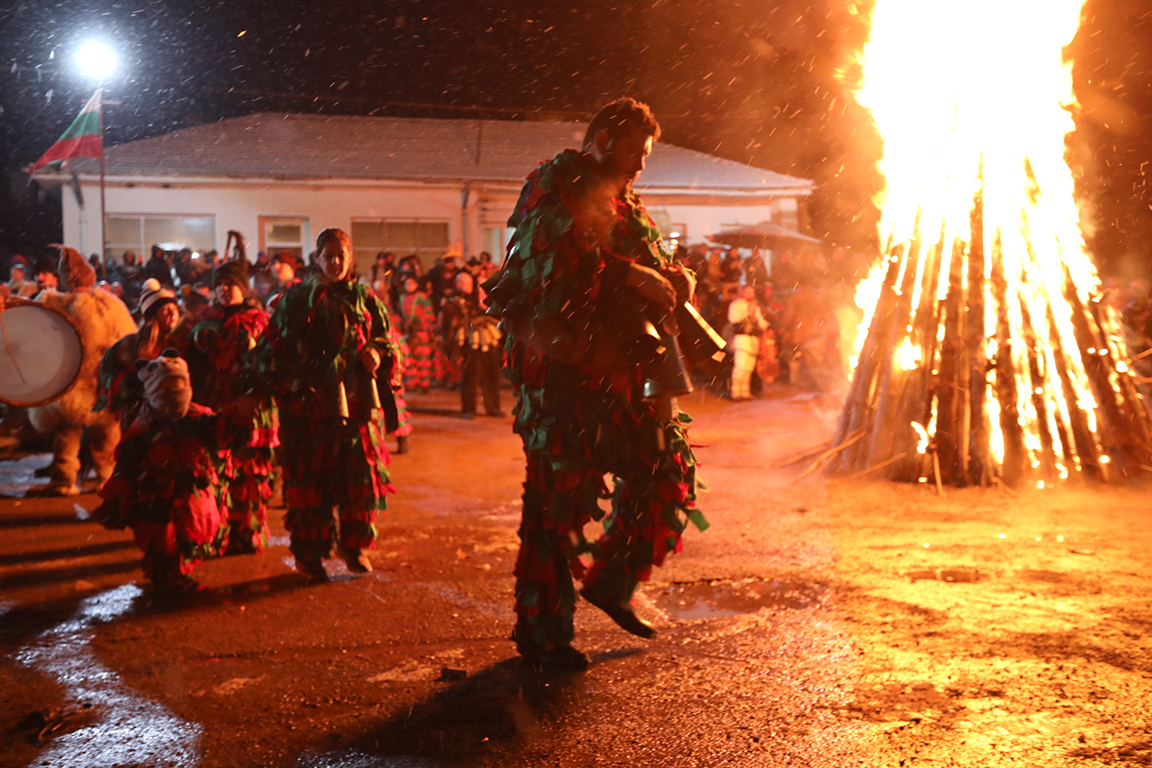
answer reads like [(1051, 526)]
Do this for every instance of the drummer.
[(118, 389)]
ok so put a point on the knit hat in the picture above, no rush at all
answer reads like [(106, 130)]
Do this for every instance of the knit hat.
[(74, 271), (153, 296), (235, 272)]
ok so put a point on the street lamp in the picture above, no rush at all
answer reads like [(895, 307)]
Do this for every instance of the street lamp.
[(96, 60)]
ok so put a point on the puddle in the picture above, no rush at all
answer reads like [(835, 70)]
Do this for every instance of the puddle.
[(129, 729), (950, 575), (17, 476), (355, 759), (713, 600)]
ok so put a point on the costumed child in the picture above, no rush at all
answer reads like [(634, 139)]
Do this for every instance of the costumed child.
[(328, 359), (403, 426), (222, 341), (164, 484), (425, 366)]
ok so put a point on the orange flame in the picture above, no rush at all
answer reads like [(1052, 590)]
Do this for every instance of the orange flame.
[(974, 97)]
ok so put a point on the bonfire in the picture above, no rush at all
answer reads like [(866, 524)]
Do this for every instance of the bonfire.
[(986, 354)]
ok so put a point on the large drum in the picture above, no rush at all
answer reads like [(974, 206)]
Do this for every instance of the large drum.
[(40, 353)]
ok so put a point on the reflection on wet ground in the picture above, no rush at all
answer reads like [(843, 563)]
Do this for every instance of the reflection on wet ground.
[(128, 729), (17, 476), (709, 600), (361, 760), (950, 575)]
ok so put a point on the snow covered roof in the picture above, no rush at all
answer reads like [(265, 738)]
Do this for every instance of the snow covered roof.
[(285, 146)]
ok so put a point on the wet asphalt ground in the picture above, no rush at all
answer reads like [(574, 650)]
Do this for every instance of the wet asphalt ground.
[(815, 624)]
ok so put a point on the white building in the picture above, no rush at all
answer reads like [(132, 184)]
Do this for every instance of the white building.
[(399, 184)]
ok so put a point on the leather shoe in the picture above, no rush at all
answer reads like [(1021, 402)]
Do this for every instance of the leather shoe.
[(313, 569), (357, 561), (621, 613), (562, 658)]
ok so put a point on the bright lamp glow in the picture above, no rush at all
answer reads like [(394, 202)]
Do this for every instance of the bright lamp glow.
[(96, 60)]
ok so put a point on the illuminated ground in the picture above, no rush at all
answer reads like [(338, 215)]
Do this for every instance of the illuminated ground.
[(814, 625)]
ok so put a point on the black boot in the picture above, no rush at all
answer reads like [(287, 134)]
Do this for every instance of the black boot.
[(620, 612), (401, 444)]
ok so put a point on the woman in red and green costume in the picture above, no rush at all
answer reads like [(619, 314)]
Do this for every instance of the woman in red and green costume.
[(218, 354), (328, 358), (584, 251)]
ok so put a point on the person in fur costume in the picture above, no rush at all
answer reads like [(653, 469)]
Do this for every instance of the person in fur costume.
[(327, 355), (222, 342), (164, 486), (118, 391), (102, 320)]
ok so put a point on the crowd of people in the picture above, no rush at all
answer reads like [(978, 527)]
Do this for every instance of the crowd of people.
[(789, 319), (211, 363), (231, 373)]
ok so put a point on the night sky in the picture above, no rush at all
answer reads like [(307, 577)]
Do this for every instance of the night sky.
[(757, 82)]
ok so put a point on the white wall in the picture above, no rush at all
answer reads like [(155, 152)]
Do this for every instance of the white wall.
[(238, 207), (701, 219)]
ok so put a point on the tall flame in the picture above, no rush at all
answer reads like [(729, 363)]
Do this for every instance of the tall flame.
[(952, 86), (972, 102)]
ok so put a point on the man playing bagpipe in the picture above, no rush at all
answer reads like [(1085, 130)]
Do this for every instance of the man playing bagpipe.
[(587, 300)]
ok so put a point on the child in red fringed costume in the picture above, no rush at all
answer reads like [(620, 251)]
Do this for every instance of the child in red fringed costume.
[(165, 483)]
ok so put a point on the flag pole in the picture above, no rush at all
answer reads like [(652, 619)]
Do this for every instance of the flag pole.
[(103, 219)]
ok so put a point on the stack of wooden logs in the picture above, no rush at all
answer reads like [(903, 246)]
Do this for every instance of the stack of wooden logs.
[(961, 370)]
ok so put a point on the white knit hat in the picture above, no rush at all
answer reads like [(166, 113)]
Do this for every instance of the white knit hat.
[(152, 294)]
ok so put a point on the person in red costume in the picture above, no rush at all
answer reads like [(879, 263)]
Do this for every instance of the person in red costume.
[(219, 352), (164, 485), (585, 263), (327, 358)]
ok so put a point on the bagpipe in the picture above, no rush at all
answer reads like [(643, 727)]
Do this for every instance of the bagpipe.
[(622, 327)]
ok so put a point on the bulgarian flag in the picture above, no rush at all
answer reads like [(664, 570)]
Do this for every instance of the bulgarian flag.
[(82, 139)]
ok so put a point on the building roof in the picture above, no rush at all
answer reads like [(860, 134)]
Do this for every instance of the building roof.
[(314, 147)]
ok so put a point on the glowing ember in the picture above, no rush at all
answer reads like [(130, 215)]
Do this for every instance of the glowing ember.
[(909, 355), (981, 320)]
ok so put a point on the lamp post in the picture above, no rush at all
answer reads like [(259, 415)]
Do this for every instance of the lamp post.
[(97, 61)]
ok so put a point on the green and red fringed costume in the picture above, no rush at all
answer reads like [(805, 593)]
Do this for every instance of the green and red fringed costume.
[(403, 416), (164, 489), (330, 456), (424, 367), (580, 421), (219, 351)]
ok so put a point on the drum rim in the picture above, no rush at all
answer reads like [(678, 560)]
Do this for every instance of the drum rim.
[(14, 302)]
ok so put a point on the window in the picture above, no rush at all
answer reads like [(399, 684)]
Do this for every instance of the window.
[(496, 241), (427, 238), (278, 233), (138, 233)]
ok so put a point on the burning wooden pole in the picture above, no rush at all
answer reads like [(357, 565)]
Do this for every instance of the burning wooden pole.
[(966, 375), (988, 356)]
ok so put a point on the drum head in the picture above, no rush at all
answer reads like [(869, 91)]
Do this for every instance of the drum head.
[(40, 353)]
